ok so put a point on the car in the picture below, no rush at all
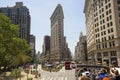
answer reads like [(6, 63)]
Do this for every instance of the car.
[(73, 66), (49, 65)]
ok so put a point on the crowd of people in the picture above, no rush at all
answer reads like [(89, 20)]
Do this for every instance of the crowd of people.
[(101, 74)]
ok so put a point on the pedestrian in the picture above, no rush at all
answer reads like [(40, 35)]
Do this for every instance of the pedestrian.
[(97, 78), (106, 77), (103, 73), (117, 75), (111, 77)]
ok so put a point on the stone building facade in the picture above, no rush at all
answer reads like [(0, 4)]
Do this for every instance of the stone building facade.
[(103, 31)]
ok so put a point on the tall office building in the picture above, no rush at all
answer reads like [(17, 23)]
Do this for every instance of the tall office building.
[(46, 47), (32, 45), (81, 50), (57, 34), (103, 31), (20, 16), (66, 52)]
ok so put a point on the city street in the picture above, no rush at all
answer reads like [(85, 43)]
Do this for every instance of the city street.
[(65, 75), (60, 40), (46, 75)]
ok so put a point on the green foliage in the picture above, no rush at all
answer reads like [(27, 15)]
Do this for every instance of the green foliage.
[(30, 79), (15, 73), (13, 50)]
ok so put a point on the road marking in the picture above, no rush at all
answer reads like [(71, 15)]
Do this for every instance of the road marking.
[(65, 78), (52, 78), (57, 78)]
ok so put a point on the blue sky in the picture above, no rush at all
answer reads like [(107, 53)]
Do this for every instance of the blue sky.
[(41, 10)]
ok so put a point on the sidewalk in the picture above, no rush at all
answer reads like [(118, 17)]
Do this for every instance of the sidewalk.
[(25, 75)]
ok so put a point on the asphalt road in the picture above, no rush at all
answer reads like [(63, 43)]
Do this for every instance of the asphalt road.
[(61, 75)]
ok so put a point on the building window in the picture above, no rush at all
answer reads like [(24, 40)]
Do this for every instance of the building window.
[(104, 33), (107, 18), (102, 15), (106, 7), (111, 30), (111, 24), (106, 12), (110, 11), (109, 5), (106, 1), (99, 55), (119, 14), (112, 36), (118, 8), (113, 43), (118, 1), (103, 26), (113, 53), (110, 44), (105, 54), (103, 21), (110, 17), (105, 38), (108, 31), (104, 45), (101, 33), (109, 38)]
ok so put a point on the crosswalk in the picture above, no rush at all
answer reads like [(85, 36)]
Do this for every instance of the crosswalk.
[(57, 78)]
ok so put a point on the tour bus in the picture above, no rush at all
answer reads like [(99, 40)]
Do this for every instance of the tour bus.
[(67, 65)]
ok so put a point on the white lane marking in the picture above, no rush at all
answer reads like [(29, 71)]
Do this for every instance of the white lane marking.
[(55, 78), (65, 78)]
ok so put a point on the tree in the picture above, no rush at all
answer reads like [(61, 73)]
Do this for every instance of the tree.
[(13, 50)]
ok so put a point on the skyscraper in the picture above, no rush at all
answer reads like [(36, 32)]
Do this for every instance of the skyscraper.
[(81, 50), (46, 47), (46, 44), (20, 16), (32, 45), (57, 34), (103, 31)]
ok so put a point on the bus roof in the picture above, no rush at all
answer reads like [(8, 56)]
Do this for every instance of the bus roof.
[(92, 66)]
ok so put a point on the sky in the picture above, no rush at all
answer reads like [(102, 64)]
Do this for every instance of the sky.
[(41, 11)]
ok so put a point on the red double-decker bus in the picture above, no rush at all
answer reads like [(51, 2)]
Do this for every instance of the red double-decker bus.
[(67, 65)]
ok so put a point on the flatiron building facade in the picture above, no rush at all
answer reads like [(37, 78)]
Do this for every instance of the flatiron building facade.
[(57, 34)]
